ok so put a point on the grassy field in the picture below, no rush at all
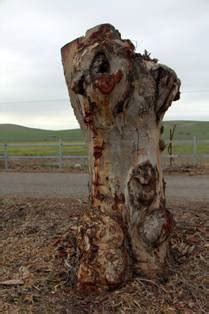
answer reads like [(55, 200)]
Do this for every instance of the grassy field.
[(76, 149), (185, 130), (11, 133)]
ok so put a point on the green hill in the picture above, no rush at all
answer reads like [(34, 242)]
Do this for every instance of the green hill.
[(10, 133), (186, 130)]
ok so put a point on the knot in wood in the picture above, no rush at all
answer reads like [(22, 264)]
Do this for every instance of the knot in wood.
[(142, 185)]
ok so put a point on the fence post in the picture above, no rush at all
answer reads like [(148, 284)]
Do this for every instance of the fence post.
[(170, 146), (6, 156), (60, 154), (194, 150)]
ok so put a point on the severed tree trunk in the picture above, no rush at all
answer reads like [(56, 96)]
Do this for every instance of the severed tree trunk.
[(119, 98)]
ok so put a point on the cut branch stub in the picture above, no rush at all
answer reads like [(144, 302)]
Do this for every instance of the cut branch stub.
[(119, 98)]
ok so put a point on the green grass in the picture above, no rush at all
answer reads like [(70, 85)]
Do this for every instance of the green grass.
[(202, 148), (9, 133), (76, 149), (186, 130)]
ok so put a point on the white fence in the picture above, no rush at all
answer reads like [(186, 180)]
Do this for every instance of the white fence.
[(58, 155), (193, 157)]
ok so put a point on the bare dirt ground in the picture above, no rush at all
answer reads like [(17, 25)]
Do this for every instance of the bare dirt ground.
[(33, 280), (69, 165), (46, 165)]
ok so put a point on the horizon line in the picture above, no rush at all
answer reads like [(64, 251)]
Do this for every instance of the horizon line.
[(78, 127)]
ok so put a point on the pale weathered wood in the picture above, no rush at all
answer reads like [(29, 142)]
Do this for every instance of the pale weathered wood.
[(119, 98)]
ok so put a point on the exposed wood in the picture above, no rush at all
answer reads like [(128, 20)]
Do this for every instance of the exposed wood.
[(119, 98)]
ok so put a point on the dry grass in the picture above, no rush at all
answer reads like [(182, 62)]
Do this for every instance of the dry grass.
[(46, 165), (187, 169), (52, 165), (30, 227)]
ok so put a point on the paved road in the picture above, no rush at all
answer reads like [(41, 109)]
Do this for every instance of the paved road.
[(49, 185)]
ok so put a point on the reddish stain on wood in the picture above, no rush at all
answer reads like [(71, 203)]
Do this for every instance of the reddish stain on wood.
[(106, 82), (98, 151)]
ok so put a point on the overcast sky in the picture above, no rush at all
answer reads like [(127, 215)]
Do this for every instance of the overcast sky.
[(32, 87)]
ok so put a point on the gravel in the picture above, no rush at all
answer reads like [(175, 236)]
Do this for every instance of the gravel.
[(50, 185)]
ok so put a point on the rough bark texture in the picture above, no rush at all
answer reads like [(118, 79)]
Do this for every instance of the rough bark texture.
[(119, 98)]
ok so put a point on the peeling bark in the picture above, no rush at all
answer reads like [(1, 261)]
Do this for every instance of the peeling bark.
[(119, 98)]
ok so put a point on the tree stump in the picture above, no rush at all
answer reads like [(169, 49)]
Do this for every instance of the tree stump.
[(119, 98)]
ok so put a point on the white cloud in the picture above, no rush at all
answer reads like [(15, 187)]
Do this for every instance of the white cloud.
[(64, 120), (32, 33)]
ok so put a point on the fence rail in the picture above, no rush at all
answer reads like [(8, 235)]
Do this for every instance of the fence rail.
[(58, 154), (199, 150), (194, 155)]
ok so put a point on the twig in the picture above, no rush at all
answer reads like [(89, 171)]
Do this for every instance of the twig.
[(150, 281)]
